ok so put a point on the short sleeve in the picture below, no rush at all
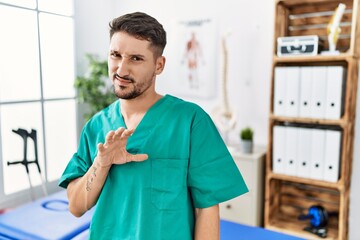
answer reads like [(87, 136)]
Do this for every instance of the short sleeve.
[(213, 175), (79, 163)]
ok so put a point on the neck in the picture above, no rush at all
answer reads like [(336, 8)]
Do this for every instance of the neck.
[(139, 105)]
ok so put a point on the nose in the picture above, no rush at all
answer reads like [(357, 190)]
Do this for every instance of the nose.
[(122, 68)]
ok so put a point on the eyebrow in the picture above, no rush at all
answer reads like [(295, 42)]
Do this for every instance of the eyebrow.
[(130, 55)]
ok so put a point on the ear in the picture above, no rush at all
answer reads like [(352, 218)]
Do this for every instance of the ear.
[(160, 64)]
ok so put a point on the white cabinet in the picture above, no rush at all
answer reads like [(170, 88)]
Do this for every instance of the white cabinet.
[(248, 208)]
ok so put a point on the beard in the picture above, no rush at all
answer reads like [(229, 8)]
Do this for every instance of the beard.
[(122, 94), (133, 90)]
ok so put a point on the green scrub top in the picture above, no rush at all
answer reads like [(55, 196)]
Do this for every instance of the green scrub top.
[(189, 166)]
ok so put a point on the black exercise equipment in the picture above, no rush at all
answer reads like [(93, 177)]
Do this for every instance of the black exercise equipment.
[(318, 216), (319, 219), (24, 134)]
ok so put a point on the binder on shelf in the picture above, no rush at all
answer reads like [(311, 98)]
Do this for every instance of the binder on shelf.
[(334, 92), (278, 155), (318, 92), (304, 152), (317, 154), (279, 91), (292, 91), (291, 150), (305, 92), (332, 155)]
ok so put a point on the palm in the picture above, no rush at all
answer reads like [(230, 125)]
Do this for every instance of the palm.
[(113, 151)]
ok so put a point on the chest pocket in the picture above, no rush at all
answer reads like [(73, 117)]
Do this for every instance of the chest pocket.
[(169, 183)]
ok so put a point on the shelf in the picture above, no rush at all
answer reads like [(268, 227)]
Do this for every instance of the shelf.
[(295, 227), (319, 183), (341, 122), (287, 197), (343, 57), (289, 200), (292, 3)]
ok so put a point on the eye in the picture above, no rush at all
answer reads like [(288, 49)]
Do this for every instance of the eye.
[(136, 58), (115, 54)]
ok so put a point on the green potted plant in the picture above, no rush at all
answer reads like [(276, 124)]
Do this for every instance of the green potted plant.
[(92, 88), (246, 140)]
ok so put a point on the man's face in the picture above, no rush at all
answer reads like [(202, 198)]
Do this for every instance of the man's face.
[(132, 66)]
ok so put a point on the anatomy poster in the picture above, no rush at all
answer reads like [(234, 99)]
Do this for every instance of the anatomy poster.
[(196, 58)]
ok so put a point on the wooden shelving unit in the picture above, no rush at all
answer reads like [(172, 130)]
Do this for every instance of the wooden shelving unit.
[(286, 197)]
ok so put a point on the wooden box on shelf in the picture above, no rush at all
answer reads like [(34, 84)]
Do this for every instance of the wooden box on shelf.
[(287, 197), (311, 17)]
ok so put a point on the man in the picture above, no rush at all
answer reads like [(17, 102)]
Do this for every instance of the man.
[(155, 166)]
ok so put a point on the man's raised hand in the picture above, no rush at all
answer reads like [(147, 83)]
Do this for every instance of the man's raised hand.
[(113, 151)]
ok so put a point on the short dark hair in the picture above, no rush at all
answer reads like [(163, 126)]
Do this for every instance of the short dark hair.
[(141, 26)]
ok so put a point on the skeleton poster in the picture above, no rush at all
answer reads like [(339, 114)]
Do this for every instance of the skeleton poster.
[(195, 68)]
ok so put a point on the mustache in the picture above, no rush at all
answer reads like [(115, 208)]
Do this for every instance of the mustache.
[(127, 78)]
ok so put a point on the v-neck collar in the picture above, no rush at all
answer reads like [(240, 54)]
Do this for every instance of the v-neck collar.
[(147, 116), (145, 126)]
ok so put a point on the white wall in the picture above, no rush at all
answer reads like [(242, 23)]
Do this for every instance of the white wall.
[(91, 29), (250, 57), (92, 18)]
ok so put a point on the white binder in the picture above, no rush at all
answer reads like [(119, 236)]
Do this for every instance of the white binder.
[(278, 155), (291, 150), (317, 154), (332, 155), (305, 92), (292, 91), (304, 152), (279, 91), (334, 89), (318, 93)]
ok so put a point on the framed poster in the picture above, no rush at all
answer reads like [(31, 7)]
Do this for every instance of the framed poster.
[(195, 64)]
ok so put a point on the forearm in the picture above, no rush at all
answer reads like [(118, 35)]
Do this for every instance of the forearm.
[(83, 192), (207, 223)]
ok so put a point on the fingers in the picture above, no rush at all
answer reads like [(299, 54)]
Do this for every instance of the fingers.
[(122, 133), (118, 134), (119, 131), (127, 133), (109, 137), (115, 147), (136, 157), (101, 147)]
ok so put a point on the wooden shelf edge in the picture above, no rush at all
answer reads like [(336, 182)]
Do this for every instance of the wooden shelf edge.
[(338, 185), (292, 3), (341, 122), (317, 58), (298, 233)]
